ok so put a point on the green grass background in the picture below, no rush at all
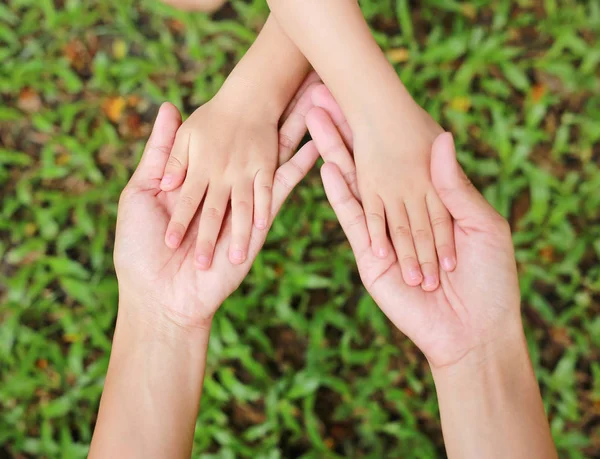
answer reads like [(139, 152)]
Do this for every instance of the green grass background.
[(302, 363)]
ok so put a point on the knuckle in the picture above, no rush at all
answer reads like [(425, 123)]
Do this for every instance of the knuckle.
[(402, 231), (408, 260), (374, 217), (443, 247), (428, 266), (345, 200), (267, 187), (300, 172), (212, 213), (174, 162), (162, 149), (355, 220), (440, 220), (242, 206), (333, 149), (281, 178), (421, 234), (285, 141), (177, 226), (188, 201), (205, 247), (351, 177)]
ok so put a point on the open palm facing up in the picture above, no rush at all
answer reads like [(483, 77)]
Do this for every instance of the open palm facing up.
[(478, 303), (164, 283)]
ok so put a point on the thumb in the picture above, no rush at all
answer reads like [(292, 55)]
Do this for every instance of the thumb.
[(154, 159), (466, 205)]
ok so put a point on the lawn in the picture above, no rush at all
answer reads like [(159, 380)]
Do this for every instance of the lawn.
[(302, 363)]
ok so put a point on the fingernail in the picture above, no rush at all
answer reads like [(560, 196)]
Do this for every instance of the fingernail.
[(203, 261), (382, 252), (261, 223), (430, 281), (414, 274), (448, 263), (166, 181), (174, 239), (237, 255)]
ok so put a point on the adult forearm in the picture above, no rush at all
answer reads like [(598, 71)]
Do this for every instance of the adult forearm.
[(336, 39), (270, 72), (491, 406), (152, 391)]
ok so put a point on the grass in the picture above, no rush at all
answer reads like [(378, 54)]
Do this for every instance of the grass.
[(302, 363)]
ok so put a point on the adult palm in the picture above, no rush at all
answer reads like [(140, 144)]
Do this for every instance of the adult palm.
[(164, 283), (477, 303)]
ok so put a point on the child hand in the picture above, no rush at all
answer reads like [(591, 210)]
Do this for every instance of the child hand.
[(226, 151), (158, 283), (392, 154)]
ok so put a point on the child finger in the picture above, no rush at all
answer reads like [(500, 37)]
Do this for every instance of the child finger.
[(211, 219), (294, 128), (290, 174), (242, 204), (375, 215), (331, 146), (443, 231), (177, 164), (423, 240), (399, 227), (263, 192), (187, 204)]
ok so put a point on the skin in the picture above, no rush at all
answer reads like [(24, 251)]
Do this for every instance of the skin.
[(153, 387), (392, 135), (226, 152), (470, 328)]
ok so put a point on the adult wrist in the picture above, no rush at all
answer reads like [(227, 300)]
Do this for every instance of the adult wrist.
[(490, 403), (141, 321), (154, 343), (488, 358)]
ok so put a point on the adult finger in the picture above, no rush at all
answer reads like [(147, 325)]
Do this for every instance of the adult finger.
[(150, 170), (331, 146), (467, 206), (322, 97), (347, 209), (294, 128), (311, 78), (177, 164), (186, 207)]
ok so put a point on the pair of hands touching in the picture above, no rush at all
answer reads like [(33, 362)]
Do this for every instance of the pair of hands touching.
[(469, 328), (475, 308)]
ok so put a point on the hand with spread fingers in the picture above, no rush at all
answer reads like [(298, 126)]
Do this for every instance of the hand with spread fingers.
[(225, 154)]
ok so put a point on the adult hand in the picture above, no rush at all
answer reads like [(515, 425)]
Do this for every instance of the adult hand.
[(478, 304), (157, 283), (470, 328)]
